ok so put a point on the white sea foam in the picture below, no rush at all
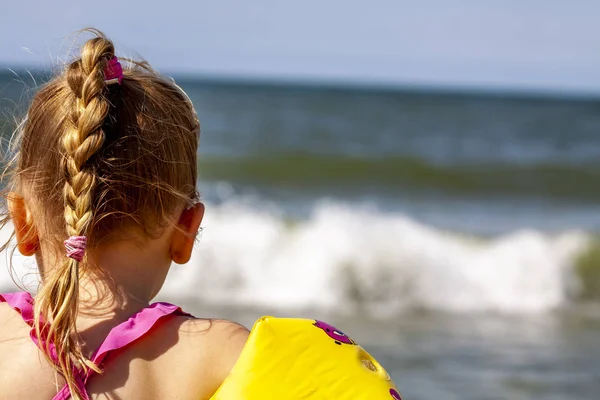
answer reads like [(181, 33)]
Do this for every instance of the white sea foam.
[(344, 258)]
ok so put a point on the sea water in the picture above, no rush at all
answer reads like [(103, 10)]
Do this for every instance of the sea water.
[(441, 230)]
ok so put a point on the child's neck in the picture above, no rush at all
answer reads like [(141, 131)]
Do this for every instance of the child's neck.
[(122, 277), (129, 273)]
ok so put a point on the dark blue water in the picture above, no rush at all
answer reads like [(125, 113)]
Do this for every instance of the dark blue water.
[(438, 156), (459, 161)]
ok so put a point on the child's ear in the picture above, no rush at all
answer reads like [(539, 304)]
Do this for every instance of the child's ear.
[(182, 241), (28, 241)]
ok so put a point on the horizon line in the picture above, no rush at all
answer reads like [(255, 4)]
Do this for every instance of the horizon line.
[(367, 85)]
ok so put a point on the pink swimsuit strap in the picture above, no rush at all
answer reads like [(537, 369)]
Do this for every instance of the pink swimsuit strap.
[(120, 336)]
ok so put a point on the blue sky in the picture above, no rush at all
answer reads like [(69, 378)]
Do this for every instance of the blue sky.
[(523, 44)]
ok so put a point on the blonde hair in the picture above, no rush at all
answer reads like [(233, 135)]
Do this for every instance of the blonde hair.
[(96, 158)]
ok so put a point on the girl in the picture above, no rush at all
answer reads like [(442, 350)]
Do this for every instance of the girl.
[(103, 194)]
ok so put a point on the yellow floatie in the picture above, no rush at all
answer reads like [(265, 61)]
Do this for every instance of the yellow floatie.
[(293, 359)]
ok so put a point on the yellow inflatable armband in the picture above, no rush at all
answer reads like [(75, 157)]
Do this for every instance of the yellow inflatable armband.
[(293, 359)]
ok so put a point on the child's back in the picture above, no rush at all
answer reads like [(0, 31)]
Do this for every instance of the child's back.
[(180, 358), (107, 164)]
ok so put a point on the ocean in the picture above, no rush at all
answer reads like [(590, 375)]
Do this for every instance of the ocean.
[(454, 235)]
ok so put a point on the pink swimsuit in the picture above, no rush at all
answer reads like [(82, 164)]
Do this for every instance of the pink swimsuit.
[(120, 336)]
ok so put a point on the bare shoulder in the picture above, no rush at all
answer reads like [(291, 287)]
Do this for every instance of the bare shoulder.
[(220, 341), (5, 309), (210, 348), (11, 324), (196, 355), (9, 316), (6, 313)]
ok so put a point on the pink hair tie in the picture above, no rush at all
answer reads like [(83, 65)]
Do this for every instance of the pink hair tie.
[(75, 246), (113, 73)]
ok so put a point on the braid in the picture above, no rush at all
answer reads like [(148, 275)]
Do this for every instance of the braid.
[(82, 139), (85, 137)]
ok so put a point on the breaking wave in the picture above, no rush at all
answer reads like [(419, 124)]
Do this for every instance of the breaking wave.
[(345, 258)]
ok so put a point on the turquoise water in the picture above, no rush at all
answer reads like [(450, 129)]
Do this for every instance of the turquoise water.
[(440, 230)]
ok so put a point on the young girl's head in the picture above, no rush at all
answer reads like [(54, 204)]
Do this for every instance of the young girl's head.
[(102, 152)]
